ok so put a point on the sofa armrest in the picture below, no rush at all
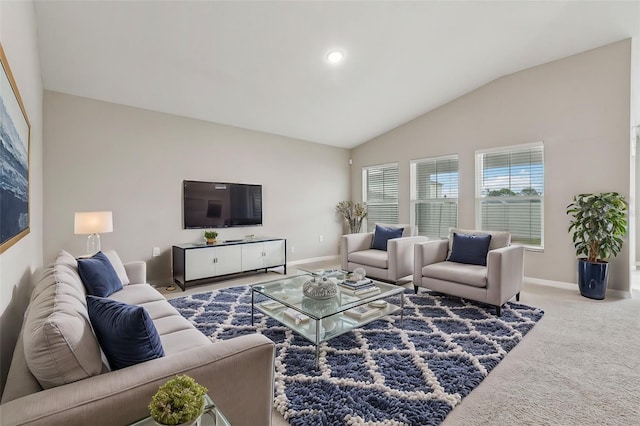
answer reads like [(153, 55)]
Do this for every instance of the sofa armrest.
[(400, 252), (354, 242), (136, 271), (505, 273), (239, 374), (433, 251)]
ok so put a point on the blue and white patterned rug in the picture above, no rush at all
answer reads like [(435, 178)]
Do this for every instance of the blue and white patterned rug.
[(380, 374)]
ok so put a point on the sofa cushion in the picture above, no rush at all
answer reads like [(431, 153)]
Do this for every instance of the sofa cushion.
[(371, 257), (137, 294), (59, 344), (118, 266), (98, 275), (126, 333), (183, 340), (382, 234), (470, 249), (473, 275)]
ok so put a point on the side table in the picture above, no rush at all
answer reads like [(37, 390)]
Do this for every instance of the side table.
[(212, 416)]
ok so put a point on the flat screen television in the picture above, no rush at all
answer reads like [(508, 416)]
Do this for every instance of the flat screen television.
[(221, 204)]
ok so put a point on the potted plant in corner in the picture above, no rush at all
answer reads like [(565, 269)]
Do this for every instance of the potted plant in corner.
[(180, 401), (353, 213), (598, 224), (210, 236)]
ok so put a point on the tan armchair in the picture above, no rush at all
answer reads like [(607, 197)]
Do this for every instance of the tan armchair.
[(390, 265), (494, 284)]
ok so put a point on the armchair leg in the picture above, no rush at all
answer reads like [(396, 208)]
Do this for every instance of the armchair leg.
[(499, 310), (415, 289), (518, 297)]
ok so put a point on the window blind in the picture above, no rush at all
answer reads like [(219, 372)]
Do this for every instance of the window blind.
[(380, 194), (510, 192), (434, 195)]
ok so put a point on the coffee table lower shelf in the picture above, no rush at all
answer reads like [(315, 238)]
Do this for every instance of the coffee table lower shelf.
[(319, 330)]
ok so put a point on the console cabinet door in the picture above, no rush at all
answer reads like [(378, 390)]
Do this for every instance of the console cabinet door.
[(274, 253), (252, 256), (199, 263), (229, 260)]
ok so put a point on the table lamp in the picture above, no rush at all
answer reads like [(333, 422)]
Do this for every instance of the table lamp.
[(93, 223)]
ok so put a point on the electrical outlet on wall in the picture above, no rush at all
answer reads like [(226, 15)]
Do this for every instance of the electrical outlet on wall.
[(321, 238), (155, 252), (293, 249)]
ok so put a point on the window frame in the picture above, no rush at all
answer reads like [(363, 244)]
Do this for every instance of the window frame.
[(365, 183), (413, 190), (479, 180)]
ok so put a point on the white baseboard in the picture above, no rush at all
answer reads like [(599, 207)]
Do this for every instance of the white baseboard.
[(315, 259), (610, 292)]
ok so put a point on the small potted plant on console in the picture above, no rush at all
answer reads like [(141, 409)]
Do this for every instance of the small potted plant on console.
[(180, 401), (210, 236)]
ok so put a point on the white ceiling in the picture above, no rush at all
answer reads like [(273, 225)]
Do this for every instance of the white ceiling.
[(260, 65)]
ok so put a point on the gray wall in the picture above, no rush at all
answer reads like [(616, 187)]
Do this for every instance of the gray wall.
[(579, 107), (18, 38), (104, 156)]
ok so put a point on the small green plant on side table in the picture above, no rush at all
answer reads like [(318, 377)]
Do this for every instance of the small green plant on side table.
[(210, 236), (179, 401)]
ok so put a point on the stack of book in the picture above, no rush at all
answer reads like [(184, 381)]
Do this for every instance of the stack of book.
[(296, 316), (361, 312), (365, 286)]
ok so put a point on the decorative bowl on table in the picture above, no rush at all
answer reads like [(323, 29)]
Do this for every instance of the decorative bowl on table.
[(319, 287)]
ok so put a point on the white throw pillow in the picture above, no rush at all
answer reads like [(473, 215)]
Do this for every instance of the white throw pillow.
[(117, 265)]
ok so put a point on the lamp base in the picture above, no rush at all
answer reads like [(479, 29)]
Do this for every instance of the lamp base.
[(93, 244)]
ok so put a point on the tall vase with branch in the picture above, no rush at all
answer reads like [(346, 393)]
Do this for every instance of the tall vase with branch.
[(353, 213)]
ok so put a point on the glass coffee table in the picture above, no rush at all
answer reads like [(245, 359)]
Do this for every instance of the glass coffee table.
[(321, 320)]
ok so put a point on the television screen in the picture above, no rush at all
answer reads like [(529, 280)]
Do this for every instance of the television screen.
[(221, 204)]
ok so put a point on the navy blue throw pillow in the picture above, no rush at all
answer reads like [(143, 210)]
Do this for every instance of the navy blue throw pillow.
[(470, 249), (382, 234), (98, 275), (126, 333)]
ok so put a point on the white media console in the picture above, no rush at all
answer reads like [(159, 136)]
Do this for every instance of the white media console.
[(198, 262)]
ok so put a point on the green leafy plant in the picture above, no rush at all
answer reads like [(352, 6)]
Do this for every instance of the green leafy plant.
[(179, 400), (353, 212), (598, 224), (210, 235)]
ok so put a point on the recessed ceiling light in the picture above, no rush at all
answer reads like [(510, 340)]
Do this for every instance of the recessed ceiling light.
[(335, 56)]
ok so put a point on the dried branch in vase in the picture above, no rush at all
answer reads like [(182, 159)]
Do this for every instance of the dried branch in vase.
[(354, 213)]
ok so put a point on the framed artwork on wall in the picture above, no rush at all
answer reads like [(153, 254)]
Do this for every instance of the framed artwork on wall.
[(14, 160)]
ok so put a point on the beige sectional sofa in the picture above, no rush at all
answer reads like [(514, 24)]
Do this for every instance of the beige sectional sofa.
[(59, 374)]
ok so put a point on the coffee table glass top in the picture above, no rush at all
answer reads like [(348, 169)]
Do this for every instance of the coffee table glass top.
[(288, 291)]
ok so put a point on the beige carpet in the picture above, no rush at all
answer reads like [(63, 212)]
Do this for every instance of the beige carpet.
[(580, 365)]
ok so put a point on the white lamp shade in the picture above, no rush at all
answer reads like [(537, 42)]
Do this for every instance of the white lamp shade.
[(93, 222)]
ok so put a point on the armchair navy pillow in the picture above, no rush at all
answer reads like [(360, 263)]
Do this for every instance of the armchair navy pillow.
[(126, 333), (470, 249), (98, 275), (382, 234)]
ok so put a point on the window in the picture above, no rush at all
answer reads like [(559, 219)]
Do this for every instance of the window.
[(434, 195), (380, 194), (510, 192)]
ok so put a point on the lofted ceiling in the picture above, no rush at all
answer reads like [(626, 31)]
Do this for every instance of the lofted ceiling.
[(261, 65)]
